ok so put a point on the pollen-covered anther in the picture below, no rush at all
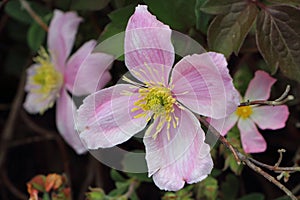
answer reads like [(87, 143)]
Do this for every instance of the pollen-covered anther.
[(156, 100), (244, 111)]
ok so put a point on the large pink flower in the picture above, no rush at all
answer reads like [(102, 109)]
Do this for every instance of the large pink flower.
[(266, 117), (175, 149), (53, 75)]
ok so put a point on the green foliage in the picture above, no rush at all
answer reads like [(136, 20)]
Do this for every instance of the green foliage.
[(179, 14), (233, 138), (183, 194), (230, 188), (207, 189), (14, 9), (242, 78), (290, 2), (253, 196), (202, 18), (278, 39), (216, 7), (89, 4), (227, 32)]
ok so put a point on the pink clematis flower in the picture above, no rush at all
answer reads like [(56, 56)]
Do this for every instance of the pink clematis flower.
[(175, 149), (266, 117), (52, 76)]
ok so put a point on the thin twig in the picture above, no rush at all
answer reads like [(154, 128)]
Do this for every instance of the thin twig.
[(30, 140), (31, 12), (279, 101), (9, 127), (131, 188), (10, 186), (246, 160), (266, 175), (275, 168)]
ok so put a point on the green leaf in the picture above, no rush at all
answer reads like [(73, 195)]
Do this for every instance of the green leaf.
[(121, 189), (179, 14), (278, 39), (202, 18), (119, 19), (227, 33), (207, 189), (242, 78), (232, 164), (290, 2), (143, 177), (116, 176), (222, 6), (253, 196), (89, 4), (35, 36), (230, 187), (95, 194), (14, 9)]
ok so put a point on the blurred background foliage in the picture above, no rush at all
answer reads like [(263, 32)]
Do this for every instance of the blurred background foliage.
[(252, 34)]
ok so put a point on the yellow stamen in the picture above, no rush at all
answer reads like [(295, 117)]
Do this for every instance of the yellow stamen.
[(244, 111), (157, 100), (47, 80)]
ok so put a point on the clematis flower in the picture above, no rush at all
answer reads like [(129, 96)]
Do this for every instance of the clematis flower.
[(53, 75), (164, 97), (247, 117)]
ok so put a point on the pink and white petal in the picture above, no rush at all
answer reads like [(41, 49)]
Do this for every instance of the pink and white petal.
[(61, 36), (65, 122), (203, 84), (259, 87), (270, 117), (105, 118), (225, 124), (252, 140), (149, 53), (39, 103), (87, 71), (182, 158)]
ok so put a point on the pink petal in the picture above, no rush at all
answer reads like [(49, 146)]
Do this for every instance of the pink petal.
[(183, 158), (252, 140), (225, 124), (203, 84), (149, 53), (259, 87), (87, 71), (61, 36), (105, 119), (65, 116), (270, 117)]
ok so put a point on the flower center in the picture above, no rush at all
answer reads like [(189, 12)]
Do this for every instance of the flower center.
[(244, 111), (47, 78), (158, 101)]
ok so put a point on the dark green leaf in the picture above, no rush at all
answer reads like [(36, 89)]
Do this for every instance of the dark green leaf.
[(278, 39), (202, 18), (116, 176), (283, 198), (119, 19), (290, 2), (222, 6), (140, 176), (16, 11), (227, 33), (89, 4), (242, 78), (134, 196), (180, 14), (207, 189), (230, 187), (253, 196), (121, 189)]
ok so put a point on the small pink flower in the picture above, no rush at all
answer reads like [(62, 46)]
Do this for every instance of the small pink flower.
[(175, 149), (52, 76), (266, 117)]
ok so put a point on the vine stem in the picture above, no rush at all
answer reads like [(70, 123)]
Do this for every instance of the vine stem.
[(33, 14), (245, 159)]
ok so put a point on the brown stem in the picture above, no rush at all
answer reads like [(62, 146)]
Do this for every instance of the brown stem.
[(279, 101), (31, 12), (246, 160), (275, 168), (13, 114), (131, 188)]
